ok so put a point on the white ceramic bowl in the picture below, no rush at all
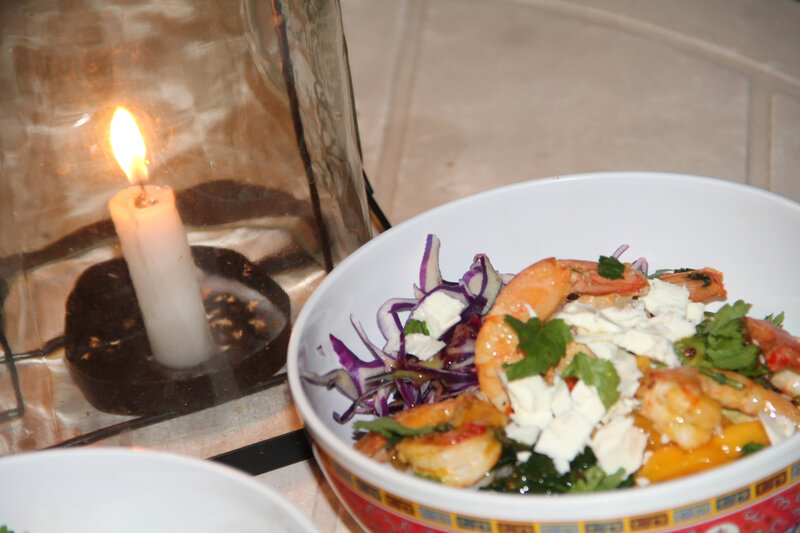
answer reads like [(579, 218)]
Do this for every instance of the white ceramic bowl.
[(673, 220), (124, 490)]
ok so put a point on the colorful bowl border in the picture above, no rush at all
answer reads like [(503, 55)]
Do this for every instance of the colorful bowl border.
[(770, 504)]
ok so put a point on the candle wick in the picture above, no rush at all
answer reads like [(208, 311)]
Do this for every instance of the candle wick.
[(140, 178), (144, 199)]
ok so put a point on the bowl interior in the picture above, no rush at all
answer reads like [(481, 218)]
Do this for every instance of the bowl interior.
[(97, 490), (672, 220)]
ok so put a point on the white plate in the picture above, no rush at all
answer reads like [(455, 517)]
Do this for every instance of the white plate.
[(123, 490), (749, 234)]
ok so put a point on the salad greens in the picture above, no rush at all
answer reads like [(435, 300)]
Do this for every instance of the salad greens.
[(538, 475), (720, 341), (598, 372)]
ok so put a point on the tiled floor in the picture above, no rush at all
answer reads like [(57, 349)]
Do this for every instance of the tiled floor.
[(458, 96)]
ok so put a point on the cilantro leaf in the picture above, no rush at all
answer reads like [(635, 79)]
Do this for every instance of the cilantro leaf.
[(416, 326), (595, 480), (394, 431), (775, 319), (597, 372), (719, 341), (543, 344), (700, 276), (751, 447), (610, 267)]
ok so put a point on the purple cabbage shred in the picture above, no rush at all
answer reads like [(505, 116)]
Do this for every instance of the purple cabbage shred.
[(390, 380)]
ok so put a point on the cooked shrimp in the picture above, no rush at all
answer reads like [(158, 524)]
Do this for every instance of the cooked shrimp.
[(686, 405), (537, 291), (781, 352), (460, 456), (703, 283)]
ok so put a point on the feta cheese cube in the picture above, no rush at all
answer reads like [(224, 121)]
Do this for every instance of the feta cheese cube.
[(665, 297), (672, 326), (695, 312), (586, 401), (619, 444), (423, 346), (627, 316), (650, 344), (586, 319), (439, 311), (565, 437)]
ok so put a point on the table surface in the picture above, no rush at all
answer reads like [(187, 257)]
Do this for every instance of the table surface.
[(454, 97)]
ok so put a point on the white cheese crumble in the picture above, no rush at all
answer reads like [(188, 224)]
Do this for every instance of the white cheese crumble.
[(619, 444), (631, 327), (565, 437), (423, 346), (557, 422), (439, 311)]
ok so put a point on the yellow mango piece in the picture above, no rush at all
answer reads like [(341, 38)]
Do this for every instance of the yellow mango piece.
[(671, 461)]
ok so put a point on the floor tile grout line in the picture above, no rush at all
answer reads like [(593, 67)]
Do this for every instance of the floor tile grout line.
[(402, 82), (674, 38)]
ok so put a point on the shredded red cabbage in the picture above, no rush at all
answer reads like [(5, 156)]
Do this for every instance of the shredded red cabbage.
[(392, 380)]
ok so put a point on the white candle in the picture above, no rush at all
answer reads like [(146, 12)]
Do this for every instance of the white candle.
[(159, 259)]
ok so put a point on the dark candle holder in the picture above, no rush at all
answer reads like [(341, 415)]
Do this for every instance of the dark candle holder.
[(109, 356)]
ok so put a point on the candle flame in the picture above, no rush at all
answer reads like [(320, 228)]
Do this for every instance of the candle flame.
[(128, 146)]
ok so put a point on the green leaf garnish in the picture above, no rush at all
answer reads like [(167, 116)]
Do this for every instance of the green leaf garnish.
[(596, 372), (538, 475), (610, 267), (394, 431), (721, 378), (416, 326), (777, 320), (700, 276), (751, 447), (543, 344), (595, 480), (719, 341)]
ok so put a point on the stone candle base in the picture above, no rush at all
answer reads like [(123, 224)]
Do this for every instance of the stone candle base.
[(110, 360)]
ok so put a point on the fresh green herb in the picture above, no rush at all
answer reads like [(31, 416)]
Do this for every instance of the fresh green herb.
[(610, 267), (543, 344), (538, 475), (416, 326), (721, 378), (597, 372), (660, 272), (700, 276), (4, 529), (751, 447), (777, 320), (395, 431), (719, 341), (595, 480)]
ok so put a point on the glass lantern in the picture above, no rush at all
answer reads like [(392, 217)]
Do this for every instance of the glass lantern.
[(149, 277)]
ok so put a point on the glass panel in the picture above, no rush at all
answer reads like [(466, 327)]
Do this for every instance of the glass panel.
[(140, 288)]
